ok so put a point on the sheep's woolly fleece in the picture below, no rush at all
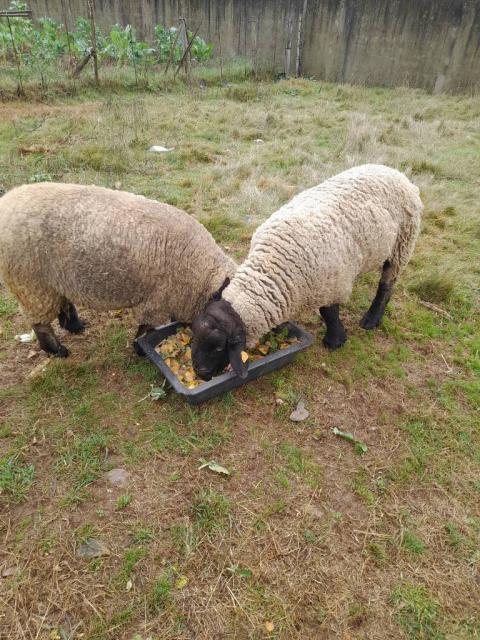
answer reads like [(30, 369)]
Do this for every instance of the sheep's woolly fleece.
[(309, 252), (106, 249)]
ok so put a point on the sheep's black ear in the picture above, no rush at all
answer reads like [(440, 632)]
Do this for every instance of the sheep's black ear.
[(218, 294), (235, 357)]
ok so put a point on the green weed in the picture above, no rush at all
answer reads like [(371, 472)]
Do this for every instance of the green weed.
[(438, 288), (131, 558), (210, 510), (160, 593), (226, 229), (378, 551), (16, 478), (412, 543), (455, 539), (184, 537), (142, 535), (298, 463), (85, 459), (123, 501), (417, 612), (8, 306), (361, 486)]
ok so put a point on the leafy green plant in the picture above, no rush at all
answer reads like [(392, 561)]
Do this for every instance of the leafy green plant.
[(166, 40), (168, 45), (201, 50), (81, 39), (47, 43), (124, 47), (21, 29), (41, 43)]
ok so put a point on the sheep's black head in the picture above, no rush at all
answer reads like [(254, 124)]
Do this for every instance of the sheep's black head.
[(218, 339)]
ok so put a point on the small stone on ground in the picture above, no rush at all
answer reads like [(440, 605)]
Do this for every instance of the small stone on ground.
[(118, 477), (300, 414), (92, 548)]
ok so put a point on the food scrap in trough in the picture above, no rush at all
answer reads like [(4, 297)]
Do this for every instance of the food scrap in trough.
[(177, 353)]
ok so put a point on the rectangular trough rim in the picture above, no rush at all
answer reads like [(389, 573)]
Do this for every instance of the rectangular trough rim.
[(305, 340)]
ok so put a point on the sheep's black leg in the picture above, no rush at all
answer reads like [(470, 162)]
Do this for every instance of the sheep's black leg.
[(69, 320), (336, 335), (374, 315), (142, 329), (48, 340)]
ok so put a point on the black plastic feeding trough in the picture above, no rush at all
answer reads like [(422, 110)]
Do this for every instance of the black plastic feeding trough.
[(225, 381)]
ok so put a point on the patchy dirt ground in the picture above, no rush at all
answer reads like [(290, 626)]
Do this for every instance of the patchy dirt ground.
[(306, 538)]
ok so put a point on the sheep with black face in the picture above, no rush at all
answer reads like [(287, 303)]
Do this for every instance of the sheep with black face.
[(218, 339), (306, 257)]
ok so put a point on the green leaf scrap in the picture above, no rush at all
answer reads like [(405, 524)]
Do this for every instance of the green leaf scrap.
[(360, 447)]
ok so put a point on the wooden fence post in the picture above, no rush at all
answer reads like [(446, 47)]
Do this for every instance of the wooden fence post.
[(220, 54), (91, 15), (185, 48), (254, 21), (69, 44), (300, 39), (288, 48), (187, 53)]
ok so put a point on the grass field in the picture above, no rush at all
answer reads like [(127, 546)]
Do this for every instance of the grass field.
[(307, 538)]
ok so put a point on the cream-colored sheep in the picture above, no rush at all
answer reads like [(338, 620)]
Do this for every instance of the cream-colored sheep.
[(308, 254), (66, 244)]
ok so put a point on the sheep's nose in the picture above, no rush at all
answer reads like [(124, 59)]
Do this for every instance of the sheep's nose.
[(205, 374)]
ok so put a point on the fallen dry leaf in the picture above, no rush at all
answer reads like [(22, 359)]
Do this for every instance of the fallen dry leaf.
[(182, 582), (214, 466), (38, 370), (34, 148)]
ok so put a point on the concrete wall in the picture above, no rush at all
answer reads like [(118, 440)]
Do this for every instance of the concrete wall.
[(434, 44)]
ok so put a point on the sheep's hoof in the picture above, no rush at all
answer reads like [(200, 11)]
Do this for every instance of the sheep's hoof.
[(334, 342), (72, 326), (76, 327), (61, 352), (370, 322)]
